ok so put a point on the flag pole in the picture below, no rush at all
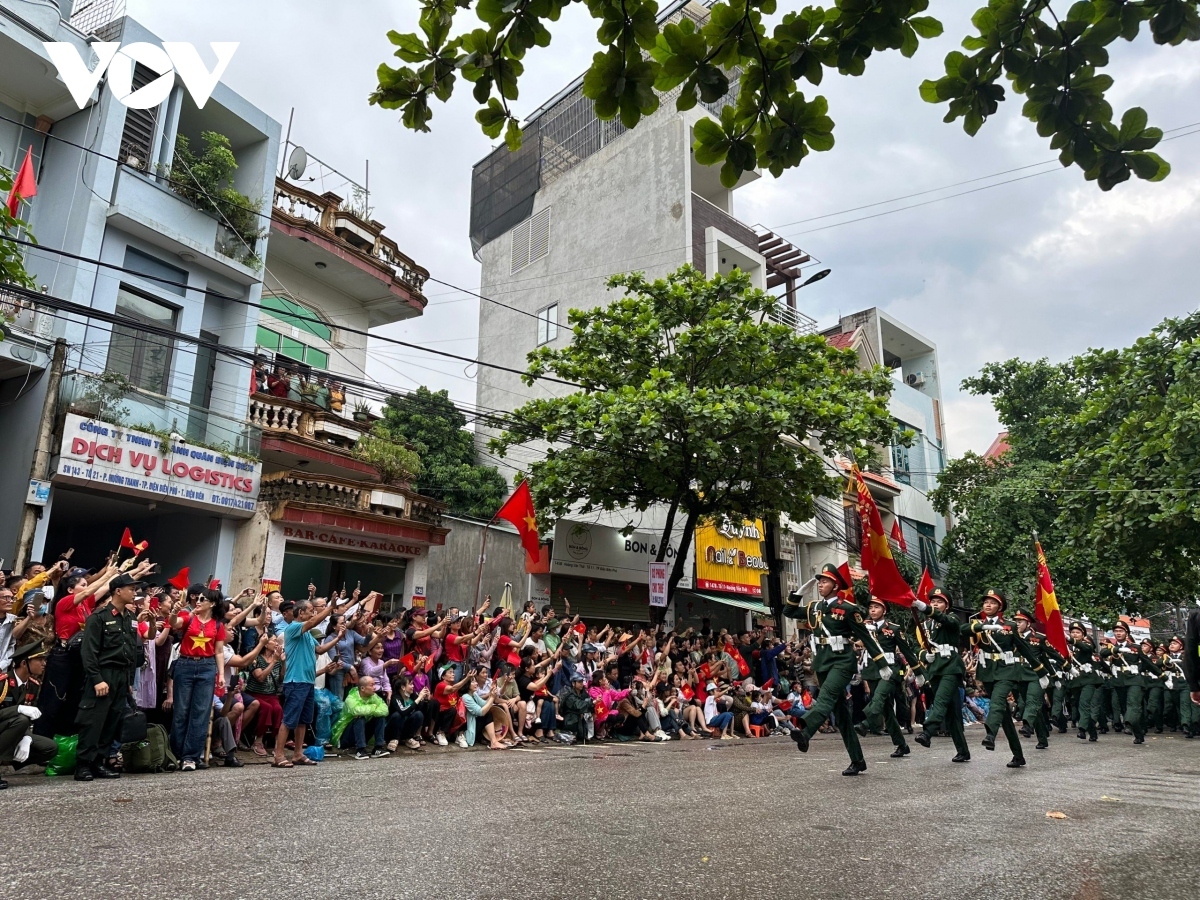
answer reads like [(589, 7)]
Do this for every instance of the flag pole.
[(482, 553)]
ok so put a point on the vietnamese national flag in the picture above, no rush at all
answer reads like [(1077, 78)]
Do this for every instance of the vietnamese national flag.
[(883, 576), (518, 510), (924, 586), (25, 185), (180, 580), (1046, 607), (898, 536), (127, 541), (844, 571)]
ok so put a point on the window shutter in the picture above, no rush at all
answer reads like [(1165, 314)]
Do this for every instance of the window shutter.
[(539, 235), (520, 246)]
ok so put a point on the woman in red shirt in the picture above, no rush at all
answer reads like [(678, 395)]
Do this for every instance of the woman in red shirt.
[(197, 674)]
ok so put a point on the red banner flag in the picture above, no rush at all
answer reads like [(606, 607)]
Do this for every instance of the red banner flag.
[(924, 586), (848, 577), (518, 510), (1046, 608), (127, 541), (24, 186), (898, 536), (180, 580), (882, 574)]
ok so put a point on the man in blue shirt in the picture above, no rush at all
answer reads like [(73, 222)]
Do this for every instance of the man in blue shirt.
[(299, 680)]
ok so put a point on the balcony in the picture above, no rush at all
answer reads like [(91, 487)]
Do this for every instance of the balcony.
[(278, 415), (793, 318), (308, 490), (349, 251), (110, 399), (706, 215), (21, 315)]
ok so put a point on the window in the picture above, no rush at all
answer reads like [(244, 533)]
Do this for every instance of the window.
[(156, 270), (853, 528), (547, 324), (530, 240), (292, 313), (143, 358), (291, 348), (927, 538), (901, 463)]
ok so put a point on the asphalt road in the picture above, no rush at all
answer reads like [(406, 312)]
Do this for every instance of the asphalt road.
[(697, 819)]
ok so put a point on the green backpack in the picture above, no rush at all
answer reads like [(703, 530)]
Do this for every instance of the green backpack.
[(151, 755)]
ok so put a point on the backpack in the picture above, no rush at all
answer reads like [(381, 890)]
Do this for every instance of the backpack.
[(151, 755)]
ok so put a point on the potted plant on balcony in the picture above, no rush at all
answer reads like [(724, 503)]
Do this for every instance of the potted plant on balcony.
[(395, 463), (362, 411)]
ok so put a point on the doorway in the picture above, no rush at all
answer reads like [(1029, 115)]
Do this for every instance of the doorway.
[(330, 574)]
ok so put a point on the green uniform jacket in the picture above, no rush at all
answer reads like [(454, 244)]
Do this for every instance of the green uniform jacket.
[(1173, 670), (1130, 666), (836, 624), (941, 637), (1000, 652), (1034, 640), (890, 638), (1086, 669), (110, 641)]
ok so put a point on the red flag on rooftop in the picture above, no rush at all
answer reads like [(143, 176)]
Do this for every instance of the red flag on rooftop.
[(1046, 609), (882, 574), (924, 586), (24, 186), (518, 510)]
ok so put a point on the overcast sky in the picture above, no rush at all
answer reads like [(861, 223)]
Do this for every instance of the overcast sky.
[(1045, 266)]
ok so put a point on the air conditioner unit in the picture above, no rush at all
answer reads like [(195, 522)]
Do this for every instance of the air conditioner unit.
[(916, 379)]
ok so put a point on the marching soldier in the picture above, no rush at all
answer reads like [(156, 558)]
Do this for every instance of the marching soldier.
[(18, 711), (111, 651), (1186, 712), (882, 707), (940, 636), (1031, 699), (836, 623), (1056, 665), (999, 648), (1109, 708), (1154, 688), (1085, 682), (1131, 675)]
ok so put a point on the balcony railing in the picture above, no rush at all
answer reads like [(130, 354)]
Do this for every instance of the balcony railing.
[(328, 213), (278, 415), (24, 315), (114, 401), (300, 487), (793, 318)]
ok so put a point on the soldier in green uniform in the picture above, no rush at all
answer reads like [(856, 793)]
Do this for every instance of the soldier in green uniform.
[(1131, 670), (836, 624), (1187, 713), (1031, 698), (111, 651), (1154, 688), (999, 650), (1084, 680), (19, 690), (940, 636), (1108, 708), (882, 707)]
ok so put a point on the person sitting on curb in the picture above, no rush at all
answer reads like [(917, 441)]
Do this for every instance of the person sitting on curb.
[(363, 705)]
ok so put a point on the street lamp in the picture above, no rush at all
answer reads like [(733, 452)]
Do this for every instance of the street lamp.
[(813, 279)]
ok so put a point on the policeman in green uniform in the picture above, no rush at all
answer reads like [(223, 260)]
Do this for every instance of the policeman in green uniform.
[(1131, 669), (1031, 698), (940, 636), (1187, 713), (999, 649), (881, 710), (836, 624), (19, 689), (1084, 681), (111, 651), (1154, 688)]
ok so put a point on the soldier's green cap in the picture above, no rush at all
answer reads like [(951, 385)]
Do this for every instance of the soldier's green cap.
[(1077, 626), (830, 571), (1022, 614), (993, 594), (938, 592)]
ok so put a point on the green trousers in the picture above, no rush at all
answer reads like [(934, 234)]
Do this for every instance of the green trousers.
[(1033, 711), (946, 711), (1110, 707), (832, 699), (1154, 706), (1084, 700), (882, 709), (99, 717), (1187, 713), (1058, 701), (998, 714), (1130, 699)]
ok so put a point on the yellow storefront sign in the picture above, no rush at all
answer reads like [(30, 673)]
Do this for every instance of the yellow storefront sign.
[(729, 557)]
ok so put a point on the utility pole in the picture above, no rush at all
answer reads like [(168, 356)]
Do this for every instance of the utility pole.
[(41, 454)]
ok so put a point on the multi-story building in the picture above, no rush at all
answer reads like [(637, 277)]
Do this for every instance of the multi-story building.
[(153, 432)]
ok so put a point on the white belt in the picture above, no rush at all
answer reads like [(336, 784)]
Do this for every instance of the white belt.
[(833, 642), (1085, 667), (1132, 670), (889, 658), (944, 650)]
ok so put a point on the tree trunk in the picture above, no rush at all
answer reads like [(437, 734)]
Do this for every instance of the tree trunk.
[(689, 529)]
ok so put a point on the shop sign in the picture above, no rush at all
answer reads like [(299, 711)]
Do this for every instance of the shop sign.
[(598, 551), (134, 462), (358, 542), (729, 557)]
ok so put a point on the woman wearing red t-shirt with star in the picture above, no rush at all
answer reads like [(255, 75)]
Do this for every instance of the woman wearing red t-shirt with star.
[(199, 671)]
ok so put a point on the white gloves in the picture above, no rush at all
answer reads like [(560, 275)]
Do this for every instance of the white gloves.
[(1058, 682), (885, 674), (920, 605), (930, 656), (991, 627), (32, 713), (920, 680), (21, 754), (1044, 682)]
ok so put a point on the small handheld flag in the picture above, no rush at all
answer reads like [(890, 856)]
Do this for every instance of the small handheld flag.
[(898, 536), (180, 580), (924, 586)]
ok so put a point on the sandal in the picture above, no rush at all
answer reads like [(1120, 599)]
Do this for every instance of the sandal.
[(303, 760), (259, 750), (282, 764)]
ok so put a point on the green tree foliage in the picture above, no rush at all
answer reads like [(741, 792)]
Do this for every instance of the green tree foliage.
[(692, 397), (205, 179), (1055, 62), (12, 263), (433, 426)]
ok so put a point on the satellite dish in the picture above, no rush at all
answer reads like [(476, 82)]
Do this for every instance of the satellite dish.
[(297, 164)]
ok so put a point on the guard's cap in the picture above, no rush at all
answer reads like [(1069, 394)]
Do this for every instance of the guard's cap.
[(32, 650), (122, 580), (830, 571), (993, 594)]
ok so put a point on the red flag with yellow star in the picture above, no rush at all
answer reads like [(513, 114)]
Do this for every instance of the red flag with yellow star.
[(883, 576), (1046, 609), (518, 510)]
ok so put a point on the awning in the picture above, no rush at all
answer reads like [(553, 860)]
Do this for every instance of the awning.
[(729, 600)]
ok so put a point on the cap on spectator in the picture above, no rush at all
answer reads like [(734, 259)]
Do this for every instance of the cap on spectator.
[(711, 686), (577, 676), (122, 580), (590, 648), (287, 605), (419, 611)]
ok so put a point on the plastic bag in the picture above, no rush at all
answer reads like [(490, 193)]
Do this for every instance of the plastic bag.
[(316, 753), (64, 761)]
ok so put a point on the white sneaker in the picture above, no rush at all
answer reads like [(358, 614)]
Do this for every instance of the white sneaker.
[(441, 739), (661, 735), (412, 744), (461, 740), (392, 745)]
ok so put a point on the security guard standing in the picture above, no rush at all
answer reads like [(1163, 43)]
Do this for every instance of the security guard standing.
[(999, 650), (1131, 670), (882, 707), (836, 624), (111, 651), (940, 636), (18, 711)]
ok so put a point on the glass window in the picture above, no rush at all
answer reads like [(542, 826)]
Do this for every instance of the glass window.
[(292, 349), (142, 357), (145, 264), (294, 314), (318, 359), (547, 325), (267, 339)]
